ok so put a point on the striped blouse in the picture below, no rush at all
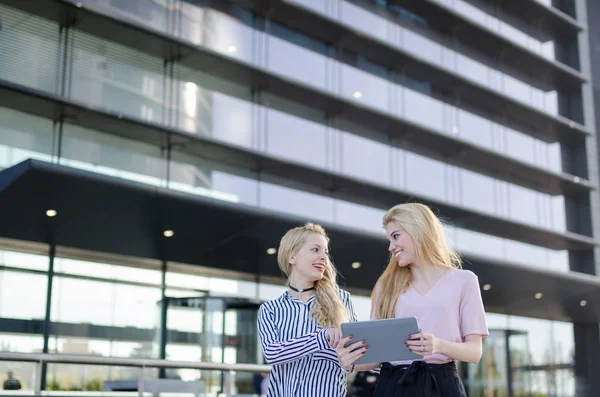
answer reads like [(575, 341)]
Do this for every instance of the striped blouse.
[(303, 363)]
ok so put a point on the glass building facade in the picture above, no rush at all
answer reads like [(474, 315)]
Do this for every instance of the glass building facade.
[(398, 96)]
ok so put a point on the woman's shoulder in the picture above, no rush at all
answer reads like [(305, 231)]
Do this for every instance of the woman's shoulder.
[(273, 303), (464, 277)]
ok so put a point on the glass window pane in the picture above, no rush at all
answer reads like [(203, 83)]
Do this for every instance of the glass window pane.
[(557, 213), (312, 206), (135, 306), (517, 89), (478, 192), (475, 129), (184, 280), (367, 159), (117, 78), (29, 46), (365, 21), (104, 303), (362, 307), (111, 155), (23, 295), (526, 254), (107, 271), (21, 343), (231, 120), (153, 14), (425, 176), (23, 136), (24, 372), (422, 47), (219, 32), (81, 301), (519, 146), (468, 241), (184, 353), (246, 190), (359, 217), (296, 139), (472, 69), (316, 5), (24, 261), (197, 176), (267, 291), (496, 320), (297, 62), (523, 205), (365, 88), (423, 110)]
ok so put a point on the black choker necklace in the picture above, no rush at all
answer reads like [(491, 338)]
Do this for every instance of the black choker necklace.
[(301, 289)]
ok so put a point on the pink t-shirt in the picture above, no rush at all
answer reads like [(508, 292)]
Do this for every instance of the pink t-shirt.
[(450, 310)]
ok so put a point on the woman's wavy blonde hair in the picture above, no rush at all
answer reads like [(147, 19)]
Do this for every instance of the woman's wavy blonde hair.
[(328, 310), (431, 248)]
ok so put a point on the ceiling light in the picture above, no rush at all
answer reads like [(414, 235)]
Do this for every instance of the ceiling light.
[(355, 265), (455, 130), (576, 179), (232, 48), (487, 287), (168, 233), (572, 124), (357, 94), (271, 251), (538, 295), (51, 213), (583, 303)]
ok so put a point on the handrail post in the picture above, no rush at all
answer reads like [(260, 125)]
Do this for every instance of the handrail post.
[(141, 381), (38, 378), (227, 383)]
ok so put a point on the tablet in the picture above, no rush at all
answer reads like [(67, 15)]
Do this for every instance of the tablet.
[(385, 339)]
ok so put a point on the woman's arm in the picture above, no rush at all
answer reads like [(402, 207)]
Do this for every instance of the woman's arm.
[(278, 352), (425, 344), (468, 351)]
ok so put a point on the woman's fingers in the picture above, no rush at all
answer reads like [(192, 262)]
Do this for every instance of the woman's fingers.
[(341, 346), (350, 356), (416, 342), (337, 337), (420, 347)]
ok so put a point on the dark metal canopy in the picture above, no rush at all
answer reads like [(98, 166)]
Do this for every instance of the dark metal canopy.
[(111, 215)]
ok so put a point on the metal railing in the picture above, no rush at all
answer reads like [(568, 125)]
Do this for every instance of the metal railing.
[(41, 358)]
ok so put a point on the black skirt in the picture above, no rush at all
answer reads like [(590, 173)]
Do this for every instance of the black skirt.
[(419, 379)]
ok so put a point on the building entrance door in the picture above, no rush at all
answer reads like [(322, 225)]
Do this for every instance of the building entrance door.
[(502, 371), (223, 328)]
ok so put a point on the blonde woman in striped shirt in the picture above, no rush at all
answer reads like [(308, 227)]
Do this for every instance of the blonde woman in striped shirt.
[(300, 330)]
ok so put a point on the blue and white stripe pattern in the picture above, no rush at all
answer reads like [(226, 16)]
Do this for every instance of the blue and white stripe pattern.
[(303, 363)]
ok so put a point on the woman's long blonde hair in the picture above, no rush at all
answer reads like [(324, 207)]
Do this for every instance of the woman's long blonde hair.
[(431, 248), (328, 310)]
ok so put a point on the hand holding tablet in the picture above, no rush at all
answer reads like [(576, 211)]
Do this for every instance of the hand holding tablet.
[(385, 339)]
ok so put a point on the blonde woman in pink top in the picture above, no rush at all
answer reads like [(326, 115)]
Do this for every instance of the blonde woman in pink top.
[(424, 279)]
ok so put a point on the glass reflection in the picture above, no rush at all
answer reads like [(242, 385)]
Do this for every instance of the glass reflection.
[(29, 48), (225, 34), (533, 350), (298, 63), (17, 302)]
